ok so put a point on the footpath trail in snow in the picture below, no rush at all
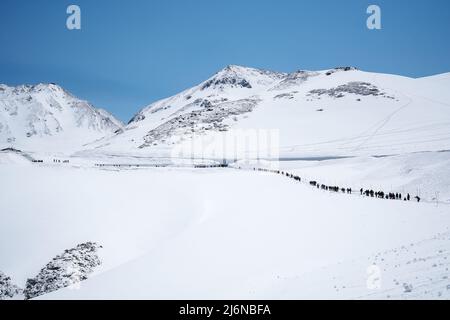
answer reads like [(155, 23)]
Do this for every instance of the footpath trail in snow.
[(198, 233), (420, 173), (416, 270), (378, 194), (169, 230)]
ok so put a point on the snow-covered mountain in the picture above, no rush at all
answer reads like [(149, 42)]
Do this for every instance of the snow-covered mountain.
[(239, 233), (216, 234), (337, 112), (45, 117)]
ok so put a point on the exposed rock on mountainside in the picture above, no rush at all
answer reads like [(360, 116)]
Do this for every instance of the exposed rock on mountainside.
[(357, 88), (339, 69), (45, 115), (294, 79), (67, 269), (384, 111), (8, 290), (209, 117)]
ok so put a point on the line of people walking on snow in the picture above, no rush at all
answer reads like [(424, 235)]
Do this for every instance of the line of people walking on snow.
[(59, 161), (367, 193), (390, 195)]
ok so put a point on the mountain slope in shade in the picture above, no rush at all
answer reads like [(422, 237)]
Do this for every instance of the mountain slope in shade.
[(45, 117), (336, 112)]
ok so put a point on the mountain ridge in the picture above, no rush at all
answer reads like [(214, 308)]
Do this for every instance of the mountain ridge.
[(307, 107), (39, 115), (311, 109)]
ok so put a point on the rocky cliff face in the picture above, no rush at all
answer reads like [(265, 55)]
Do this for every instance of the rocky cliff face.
[(37, 116)]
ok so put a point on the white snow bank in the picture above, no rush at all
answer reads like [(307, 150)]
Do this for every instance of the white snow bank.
[(172, 233)]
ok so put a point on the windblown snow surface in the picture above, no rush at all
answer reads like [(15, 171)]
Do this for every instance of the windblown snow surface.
[(229, 234), (180, 232)]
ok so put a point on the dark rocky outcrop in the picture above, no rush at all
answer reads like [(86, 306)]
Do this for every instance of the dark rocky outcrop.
[(67, 269)]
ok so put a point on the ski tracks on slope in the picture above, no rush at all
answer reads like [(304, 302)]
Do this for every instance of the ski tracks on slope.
[(382, 123)]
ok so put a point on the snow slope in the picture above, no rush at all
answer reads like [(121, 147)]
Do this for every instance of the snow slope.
[(230, 234), (45, 117), (183, 233), (338, 112), (9, 157), (422, 173)]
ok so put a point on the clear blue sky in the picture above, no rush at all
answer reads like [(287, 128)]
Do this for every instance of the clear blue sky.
[(131, 53)]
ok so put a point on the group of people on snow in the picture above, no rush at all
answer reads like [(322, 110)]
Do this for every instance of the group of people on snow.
[(367, 193), (390, 195)]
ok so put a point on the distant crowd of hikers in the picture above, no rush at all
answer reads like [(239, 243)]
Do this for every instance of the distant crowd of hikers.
[(390, 195), (59, 161), (367, 193)]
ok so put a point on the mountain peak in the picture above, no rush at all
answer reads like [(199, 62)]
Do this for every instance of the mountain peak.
[(230, 76), (237, 69), (236, 76), (243, 70), (341, 69), (31, 88), (46, 114)]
